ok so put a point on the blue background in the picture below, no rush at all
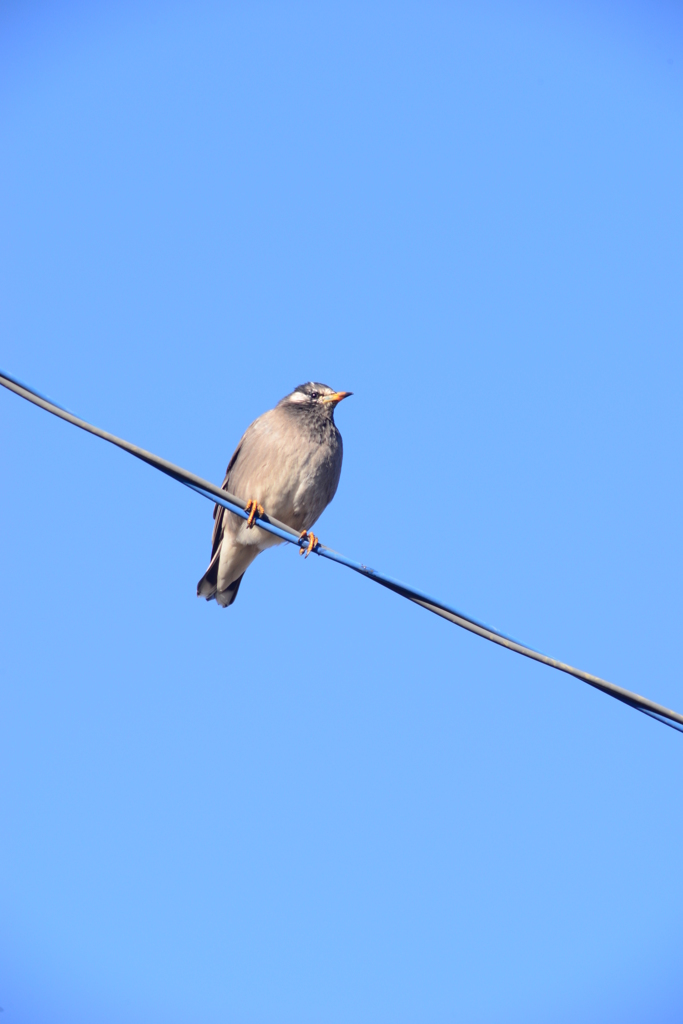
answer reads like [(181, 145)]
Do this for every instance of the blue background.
[(325, 804)]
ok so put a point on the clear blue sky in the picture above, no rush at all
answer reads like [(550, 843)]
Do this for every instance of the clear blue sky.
[(325, 804)]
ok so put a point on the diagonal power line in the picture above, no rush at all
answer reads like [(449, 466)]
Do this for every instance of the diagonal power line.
[(237, 505)]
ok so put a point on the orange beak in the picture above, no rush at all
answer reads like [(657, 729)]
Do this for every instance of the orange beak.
[(338, 396)]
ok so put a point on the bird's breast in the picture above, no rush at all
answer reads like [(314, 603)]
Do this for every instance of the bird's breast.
[(307, 486), (292, 473)]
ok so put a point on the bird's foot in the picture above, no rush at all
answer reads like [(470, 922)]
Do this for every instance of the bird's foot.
[(255, 510), (311, 542)]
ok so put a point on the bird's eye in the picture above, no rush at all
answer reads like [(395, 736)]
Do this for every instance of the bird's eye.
[(313, 395)]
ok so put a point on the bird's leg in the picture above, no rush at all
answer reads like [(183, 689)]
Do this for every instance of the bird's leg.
[(312, 542), (255, 510)]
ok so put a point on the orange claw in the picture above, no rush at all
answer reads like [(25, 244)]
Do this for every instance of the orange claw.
[(255, 510), (312, 542)]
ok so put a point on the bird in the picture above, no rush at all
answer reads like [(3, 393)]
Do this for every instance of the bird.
[(286, 465)]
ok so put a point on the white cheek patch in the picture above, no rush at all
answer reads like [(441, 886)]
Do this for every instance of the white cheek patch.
[(298, 396)]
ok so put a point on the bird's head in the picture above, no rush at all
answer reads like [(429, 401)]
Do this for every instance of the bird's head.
[(315, 398)]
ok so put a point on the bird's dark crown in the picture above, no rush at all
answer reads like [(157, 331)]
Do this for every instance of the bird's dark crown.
[(313, 390)]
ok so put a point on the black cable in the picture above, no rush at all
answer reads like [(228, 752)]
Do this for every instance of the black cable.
[(237, 505)]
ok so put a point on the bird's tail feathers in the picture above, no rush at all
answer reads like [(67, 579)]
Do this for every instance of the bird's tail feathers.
[(226, 597), (208, 585), (209, 581)]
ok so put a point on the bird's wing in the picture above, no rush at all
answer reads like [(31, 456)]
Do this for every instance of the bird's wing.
[(218, 510), (257, 458)]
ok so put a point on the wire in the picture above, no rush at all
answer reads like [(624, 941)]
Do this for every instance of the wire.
[(237, 505)]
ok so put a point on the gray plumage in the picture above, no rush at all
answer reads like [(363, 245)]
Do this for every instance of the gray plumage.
[(289, 461)]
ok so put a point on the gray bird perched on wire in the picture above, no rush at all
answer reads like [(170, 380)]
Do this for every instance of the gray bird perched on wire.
[(288, 463)]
